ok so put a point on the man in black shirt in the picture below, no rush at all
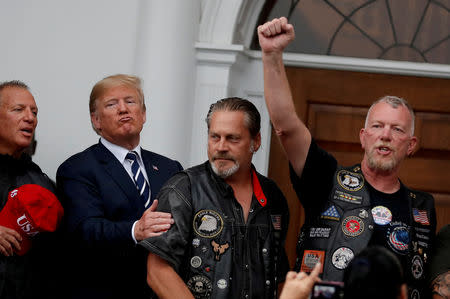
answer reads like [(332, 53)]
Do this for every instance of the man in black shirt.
[(230, 221), (348, 209)]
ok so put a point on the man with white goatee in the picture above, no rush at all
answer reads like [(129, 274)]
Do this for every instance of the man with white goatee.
[(230, 221), (349, 208)]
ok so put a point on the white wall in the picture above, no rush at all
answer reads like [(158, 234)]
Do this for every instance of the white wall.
[(62, 48)]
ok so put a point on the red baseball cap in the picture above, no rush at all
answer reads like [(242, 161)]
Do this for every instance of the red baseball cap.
[(31, 209)]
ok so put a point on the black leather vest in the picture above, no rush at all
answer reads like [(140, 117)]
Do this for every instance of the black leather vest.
[(345, 225), (213, 241)]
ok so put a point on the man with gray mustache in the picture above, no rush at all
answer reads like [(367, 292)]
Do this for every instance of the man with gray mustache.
[(350, 208), (230, 221)]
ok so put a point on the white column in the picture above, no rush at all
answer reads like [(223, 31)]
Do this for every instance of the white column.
[(165, 60), (213, 83)]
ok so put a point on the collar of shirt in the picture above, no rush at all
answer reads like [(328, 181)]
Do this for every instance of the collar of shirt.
[(258, 193), (121, 152)]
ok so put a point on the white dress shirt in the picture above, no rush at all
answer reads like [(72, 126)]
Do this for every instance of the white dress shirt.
[(120, 153)]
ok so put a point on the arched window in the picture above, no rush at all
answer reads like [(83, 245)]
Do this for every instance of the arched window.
[(417, 31)]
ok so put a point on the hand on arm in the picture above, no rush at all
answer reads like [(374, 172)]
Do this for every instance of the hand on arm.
[(163, 279), (152, 223), (9, 241), (295, 137)]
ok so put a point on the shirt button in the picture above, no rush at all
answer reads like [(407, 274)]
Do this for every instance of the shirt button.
[(246, 266), (268, 282), (251, 211), (246, 295), (264, 250)]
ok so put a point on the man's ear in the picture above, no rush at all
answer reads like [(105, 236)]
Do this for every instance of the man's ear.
[(95, 121), (257, 142), (361, 137), (411, 146)]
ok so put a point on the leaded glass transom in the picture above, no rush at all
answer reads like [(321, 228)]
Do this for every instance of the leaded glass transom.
[(408, 30)]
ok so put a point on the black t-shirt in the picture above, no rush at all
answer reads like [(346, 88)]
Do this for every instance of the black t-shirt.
[(395, 204)]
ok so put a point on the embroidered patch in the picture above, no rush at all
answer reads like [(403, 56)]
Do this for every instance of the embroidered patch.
[(417, 267), (276, 221), (398, 237), (423, 230), (421, 236), (319, 232), (381, 215), (219, 249), (420, 216), (342, 257), (423, 244), (196, 242), (311, 258), (207, 223), (350, 181), (331, 213), (196, 261), (339, 195), (200, 286), (222, 284), (352, 226)]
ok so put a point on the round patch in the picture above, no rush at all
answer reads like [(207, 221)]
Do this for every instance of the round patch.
[(200, 286), (350, 181), (398, 237), (222, 284), (341, 257), (417, 267), (352, 226), (381, 215), (196, 261), (207, 223)]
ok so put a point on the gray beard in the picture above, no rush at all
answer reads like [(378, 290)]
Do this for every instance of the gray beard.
[(225, 173), (379, 165)]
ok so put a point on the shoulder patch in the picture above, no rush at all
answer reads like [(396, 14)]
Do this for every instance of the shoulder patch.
[(207, 223), (350, 181), (331, 213)]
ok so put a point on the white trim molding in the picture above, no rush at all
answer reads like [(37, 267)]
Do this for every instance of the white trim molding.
[(362, 64)]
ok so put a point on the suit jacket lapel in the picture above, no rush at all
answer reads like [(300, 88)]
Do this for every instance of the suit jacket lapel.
[(118, 174), (152, 170)]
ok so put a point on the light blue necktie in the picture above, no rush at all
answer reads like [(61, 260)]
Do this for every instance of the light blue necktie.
[(139, 179)]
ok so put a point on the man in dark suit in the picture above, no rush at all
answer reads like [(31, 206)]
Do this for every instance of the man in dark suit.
[(108, 191)]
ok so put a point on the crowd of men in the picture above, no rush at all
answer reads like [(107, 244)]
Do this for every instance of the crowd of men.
[(131, 223)]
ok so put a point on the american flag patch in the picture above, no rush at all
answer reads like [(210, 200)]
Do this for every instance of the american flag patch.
[(276, 221), (421, 217), (331, 213)]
